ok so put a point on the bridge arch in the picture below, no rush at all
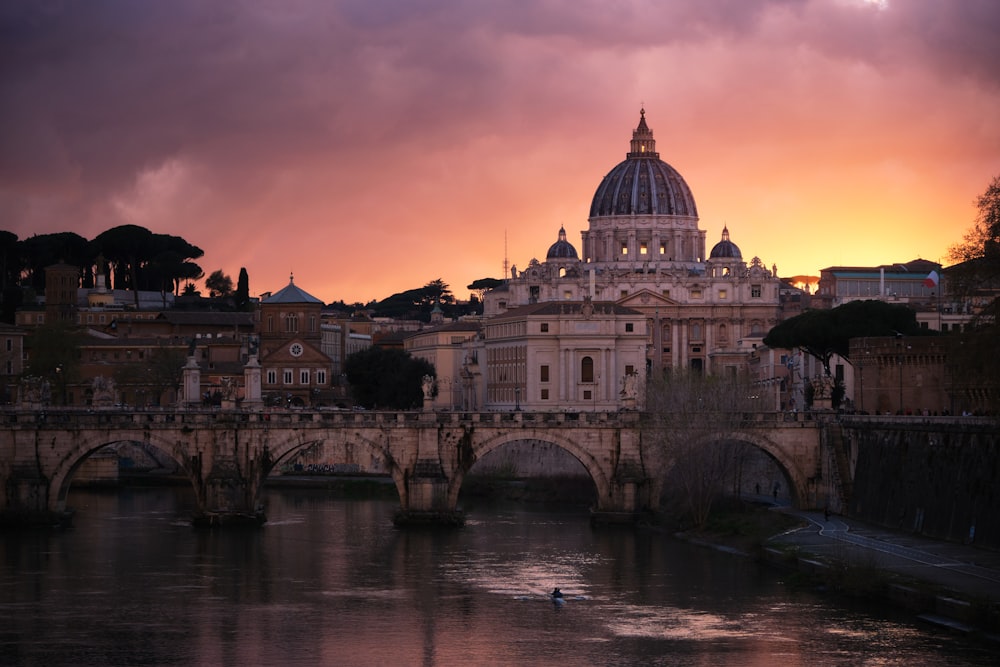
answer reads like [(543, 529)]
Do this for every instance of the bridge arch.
[(87, 443), (481, 448), (288, 447), (797, 482)]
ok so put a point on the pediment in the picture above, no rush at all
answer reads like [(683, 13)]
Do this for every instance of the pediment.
[(283, 354), (646, 298)]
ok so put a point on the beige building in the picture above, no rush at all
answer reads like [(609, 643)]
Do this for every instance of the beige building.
[(644, 251)]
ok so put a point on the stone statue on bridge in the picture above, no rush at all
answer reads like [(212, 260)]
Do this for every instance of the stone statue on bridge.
[(102, 392)]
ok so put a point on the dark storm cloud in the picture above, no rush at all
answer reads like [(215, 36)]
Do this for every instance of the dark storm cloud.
[(244, 104)]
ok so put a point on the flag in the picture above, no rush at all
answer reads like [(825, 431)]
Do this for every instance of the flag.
[(931, 280)]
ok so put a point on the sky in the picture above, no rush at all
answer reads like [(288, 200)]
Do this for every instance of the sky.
[(371, 146)]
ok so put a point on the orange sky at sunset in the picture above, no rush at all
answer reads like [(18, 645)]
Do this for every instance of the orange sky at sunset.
[(370, 147)]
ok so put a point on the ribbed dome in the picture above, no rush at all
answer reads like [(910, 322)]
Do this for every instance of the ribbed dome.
[(562, 249), (643, 184), (725, 248)]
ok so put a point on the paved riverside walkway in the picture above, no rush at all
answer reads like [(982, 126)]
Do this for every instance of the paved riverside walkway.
[(967, 572)]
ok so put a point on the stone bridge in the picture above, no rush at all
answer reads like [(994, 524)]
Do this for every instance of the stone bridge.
[(228, 454)]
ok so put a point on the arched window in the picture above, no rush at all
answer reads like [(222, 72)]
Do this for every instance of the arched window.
[(586, 369)]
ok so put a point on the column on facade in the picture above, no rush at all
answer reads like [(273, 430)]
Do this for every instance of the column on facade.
[(683, 358), (633, 248)]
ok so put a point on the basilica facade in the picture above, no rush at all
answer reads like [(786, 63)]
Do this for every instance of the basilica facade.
[(643, 262)]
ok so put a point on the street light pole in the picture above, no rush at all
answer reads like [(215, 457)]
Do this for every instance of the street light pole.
[(899, 362)]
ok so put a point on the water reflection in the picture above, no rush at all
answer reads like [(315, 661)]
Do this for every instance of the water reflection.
[(330, 581)]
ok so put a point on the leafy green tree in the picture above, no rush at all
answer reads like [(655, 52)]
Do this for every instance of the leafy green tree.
[(972, 357), (691, 429), (484, 285), (53, 355), (823, 333), (219, 284), (242, 295), (149, 380), (126, 248), (387, 378), (43, 250)]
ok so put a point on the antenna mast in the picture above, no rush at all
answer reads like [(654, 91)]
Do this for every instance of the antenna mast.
[(505, 265)]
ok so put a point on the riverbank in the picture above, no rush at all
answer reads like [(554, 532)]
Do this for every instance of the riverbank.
[(950, 585)]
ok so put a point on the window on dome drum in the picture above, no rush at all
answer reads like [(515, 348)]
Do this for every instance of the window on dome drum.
[(562, 272), (543, 373), (586, 369), (755, 291), (643, 248)]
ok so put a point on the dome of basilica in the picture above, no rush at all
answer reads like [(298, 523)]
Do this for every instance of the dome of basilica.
[(643, 184), (562, 249), (725, 249)]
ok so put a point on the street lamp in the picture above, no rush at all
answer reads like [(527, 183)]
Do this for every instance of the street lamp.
[(899, 362)]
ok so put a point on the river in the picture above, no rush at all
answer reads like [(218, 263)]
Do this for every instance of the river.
[(329, 581)]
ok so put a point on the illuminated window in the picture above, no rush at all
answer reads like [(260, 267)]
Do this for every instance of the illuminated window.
[(722, 294), (643, 248), (567, 295), (663, 248), (696, 294), (624, 249)]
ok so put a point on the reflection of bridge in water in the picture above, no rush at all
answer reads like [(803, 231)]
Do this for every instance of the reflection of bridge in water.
[(227, 455)]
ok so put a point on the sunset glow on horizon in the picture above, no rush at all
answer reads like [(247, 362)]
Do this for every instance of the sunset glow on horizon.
[(370, 147)]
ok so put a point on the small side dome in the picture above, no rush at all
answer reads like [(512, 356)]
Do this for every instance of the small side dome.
[(562, 249), (725, 249)]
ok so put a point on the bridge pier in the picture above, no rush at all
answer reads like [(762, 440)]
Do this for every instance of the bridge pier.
[(227, 498), (26, 500), (427, 497)]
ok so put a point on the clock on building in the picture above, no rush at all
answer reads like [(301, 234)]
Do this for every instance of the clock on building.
[(295, 349)]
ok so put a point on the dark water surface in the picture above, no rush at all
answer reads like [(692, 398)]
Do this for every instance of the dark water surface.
[(331, 582)]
